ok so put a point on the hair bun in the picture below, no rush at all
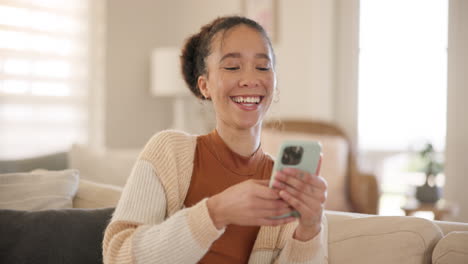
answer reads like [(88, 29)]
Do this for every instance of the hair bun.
[(189, 64)]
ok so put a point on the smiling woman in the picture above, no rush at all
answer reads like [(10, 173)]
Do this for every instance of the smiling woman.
[(240, 71), (205, 199)]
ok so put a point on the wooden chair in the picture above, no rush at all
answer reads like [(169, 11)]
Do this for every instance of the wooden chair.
[(349, 189)]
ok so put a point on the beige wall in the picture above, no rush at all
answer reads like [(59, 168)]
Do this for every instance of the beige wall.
[(134, 28), (457, 119), (305, 50)]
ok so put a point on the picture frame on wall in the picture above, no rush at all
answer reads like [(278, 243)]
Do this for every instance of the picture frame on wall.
[(264, 13)]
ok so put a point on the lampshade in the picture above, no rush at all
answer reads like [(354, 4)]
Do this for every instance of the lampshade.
[(166, 77)]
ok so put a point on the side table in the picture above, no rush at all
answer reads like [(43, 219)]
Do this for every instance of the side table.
[(441, 209)]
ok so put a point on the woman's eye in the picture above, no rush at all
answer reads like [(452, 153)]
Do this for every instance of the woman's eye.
[(263, 68), (231, 68)]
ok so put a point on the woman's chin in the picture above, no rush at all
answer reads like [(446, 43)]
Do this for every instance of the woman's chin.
[(246, 124)]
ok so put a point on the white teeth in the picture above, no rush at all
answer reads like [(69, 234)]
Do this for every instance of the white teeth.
[(240, 99)]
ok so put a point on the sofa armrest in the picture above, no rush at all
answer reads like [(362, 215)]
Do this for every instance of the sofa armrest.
[(361, 238), (96, 195)]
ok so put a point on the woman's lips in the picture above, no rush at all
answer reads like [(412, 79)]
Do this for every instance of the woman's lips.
[(247, 102)]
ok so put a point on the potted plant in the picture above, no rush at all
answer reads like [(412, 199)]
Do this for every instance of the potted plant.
[(427, 162)]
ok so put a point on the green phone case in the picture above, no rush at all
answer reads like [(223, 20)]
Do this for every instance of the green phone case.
[(288, 157)]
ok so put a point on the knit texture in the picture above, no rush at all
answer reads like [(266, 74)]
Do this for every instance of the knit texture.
[(151, 225)]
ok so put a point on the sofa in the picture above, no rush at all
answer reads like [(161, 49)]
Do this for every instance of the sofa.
[(359, 238), (75, 235)]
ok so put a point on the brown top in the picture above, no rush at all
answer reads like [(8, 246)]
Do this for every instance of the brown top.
[(217, 167)]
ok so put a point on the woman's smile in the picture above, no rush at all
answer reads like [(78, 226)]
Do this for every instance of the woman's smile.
[(247, 102)]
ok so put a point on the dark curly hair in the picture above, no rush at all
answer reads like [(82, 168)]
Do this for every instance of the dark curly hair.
[(198, 46)]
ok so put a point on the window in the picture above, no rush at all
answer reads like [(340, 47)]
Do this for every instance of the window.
[(43, 76), (402, 73), (402, 89)]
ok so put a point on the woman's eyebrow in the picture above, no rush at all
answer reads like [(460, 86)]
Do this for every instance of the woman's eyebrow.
[(262, 56), (230, 55), (238, 55)]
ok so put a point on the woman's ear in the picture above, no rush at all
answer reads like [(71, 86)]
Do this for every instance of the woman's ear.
[(203, 86)]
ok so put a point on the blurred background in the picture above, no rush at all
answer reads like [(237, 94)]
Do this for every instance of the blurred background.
[(390, 73)]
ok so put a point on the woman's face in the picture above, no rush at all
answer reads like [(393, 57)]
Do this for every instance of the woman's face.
[(241, 78)]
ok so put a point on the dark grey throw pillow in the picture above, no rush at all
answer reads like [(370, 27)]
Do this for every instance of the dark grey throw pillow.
[(53, 236)]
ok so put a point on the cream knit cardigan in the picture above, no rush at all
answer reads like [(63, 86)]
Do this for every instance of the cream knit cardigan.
[(151, 224)]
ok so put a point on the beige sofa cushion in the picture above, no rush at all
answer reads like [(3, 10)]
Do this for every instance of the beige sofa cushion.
[(103, 166), (334, 163), (38, 190), (382, 239), (452, 249), (96, 195), (448, 227)]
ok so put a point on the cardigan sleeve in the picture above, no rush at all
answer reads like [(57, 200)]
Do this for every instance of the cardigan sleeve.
[(139, 231), (314, 251), (149, 224)]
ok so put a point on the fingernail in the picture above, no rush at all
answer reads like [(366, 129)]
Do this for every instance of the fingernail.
[(278, 184)]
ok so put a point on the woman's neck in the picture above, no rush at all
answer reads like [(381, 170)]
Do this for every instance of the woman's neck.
[(243, 142)]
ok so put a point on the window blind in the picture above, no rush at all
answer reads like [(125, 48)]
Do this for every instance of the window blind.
[(43, 76)]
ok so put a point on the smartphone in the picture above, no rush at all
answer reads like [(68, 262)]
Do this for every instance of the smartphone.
[(299, 154)]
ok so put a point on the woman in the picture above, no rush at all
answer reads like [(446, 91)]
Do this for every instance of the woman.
[(205, 199)]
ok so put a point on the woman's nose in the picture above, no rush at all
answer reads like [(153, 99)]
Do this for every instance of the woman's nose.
[(249, 79)]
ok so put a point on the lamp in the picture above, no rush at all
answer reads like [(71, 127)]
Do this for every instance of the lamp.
[(166, 81)]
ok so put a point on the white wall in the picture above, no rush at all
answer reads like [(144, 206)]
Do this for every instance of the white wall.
[(345, 103), (457, 119), (305, 59), (305, 49)]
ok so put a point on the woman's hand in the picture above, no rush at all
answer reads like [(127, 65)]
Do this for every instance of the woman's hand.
[(249, 203), (307, 194)]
